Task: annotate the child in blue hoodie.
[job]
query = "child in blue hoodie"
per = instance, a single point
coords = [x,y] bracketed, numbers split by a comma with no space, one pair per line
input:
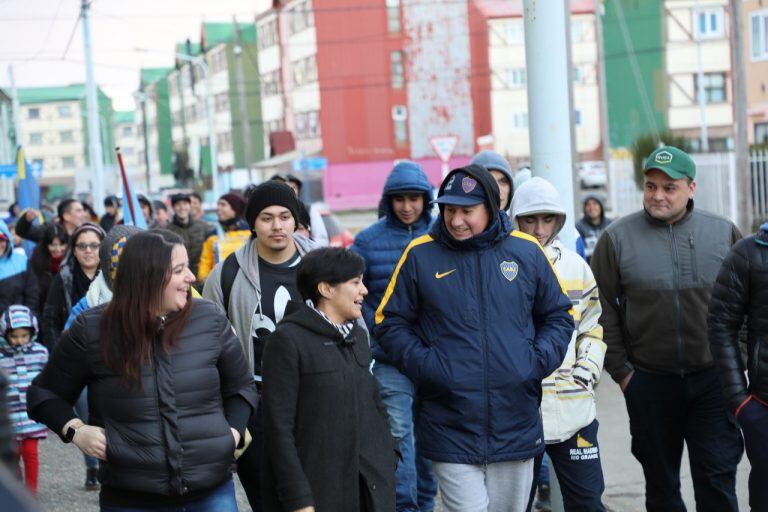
[22,358]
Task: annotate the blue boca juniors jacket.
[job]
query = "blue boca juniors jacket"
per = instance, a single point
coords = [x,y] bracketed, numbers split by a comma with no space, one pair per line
[477,325]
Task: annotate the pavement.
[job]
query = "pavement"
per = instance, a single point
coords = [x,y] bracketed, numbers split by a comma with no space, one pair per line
[62,471]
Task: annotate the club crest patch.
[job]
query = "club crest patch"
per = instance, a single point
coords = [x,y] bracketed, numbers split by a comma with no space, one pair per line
[663,157]
[468,184]
[509,270]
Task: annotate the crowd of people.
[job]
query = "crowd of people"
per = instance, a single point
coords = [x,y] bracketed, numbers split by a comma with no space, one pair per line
[455,347]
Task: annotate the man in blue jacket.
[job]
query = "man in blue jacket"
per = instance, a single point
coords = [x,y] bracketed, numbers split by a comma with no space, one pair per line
[474,315]
[405,215]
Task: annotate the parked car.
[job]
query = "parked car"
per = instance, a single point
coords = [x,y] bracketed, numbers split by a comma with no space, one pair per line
[338,235]
[592,174]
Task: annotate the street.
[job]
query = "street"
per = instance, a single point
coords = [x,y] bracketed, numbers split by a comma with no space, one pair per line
[62,471]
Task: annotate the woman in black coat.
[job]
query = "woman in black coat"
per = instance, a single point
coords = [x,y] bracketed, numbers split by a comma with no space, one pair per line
[169,388]
[46,260]
[328,446]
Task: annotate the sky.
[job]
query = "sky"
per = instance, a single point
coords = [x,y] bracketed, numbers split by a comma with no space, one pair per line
[43,39]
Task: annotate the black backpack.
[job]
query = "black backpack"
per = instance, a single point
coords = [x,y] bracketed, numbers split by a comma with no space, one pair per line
[228,273]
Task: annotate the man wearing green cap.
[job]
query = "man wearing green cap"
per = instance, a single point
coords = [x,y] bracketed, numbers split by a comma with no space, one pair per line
[655,270]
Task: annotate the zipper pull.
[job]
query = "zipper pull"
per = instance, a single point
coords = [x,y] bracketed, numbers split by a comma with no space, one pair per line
[690,241]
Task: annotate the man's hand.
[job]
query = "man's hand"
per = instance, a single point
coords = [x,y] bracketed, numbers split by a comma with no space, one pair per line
[625,381]
[91,441]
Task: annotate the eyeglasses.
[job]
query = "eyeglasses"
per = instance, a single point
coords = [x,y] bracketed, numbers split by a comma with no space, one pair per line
[87,247]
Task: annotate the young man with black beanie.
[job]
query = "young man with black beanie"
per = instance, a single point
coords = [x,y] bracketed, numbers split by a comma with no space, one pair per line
[254,285]
[475,316]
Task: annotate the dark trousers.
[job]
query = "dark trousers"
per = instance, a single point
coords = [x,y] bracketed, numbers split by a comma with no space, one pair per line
[666,411]
[578,469]
[249,463]
[753,418]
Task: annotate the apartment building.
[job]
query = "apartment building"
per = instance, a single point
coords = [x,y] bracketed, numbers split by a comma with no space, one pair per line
[55,130]
[154,147]
[756,61]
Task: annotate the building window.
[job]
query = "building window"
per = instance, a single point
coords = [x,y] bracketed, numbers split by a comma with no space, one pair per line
[516,78]
[576,34]
[759,35]
[399,122]
[276,125]
[221,102]
[714,87]
[267,34]
[68,162]
[127,131]
[708,23]
[66,136]
[393,16]
[577,117]
[307,125]
[33,113]
[35,138]
[65,111]
[396,67]
[217,61]
[761,133]
[302,17]
[520,120]
[38,162]
[514,33]
[577,76]
[304,71]
[128,151]
[224,141]
[270,83]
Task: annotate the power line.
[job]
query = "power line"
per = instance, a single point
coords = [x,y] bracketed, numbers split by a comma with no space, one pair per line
[71,37]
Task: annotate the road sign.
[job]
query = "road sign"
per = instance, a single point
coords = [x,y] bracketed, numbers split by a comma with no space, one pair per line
[314,163]
[444,146]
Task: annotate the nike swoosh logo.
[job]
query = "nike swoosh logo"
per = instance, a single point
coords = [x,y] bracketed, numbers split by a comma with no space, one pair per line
[440,276]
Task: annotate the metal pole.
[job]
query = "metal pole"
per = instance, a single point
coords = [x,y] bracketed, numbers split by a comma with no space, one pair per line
[19,140]
[547,39]
[94,133]
[603,91]
[244,119]
[143,99]
[741,138]
[211,132]
[700,81]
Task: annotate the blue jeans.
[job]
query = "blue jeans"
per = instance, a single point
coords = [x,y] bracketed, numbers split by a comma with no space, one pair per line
[416,483]
[221,499]
[81,408]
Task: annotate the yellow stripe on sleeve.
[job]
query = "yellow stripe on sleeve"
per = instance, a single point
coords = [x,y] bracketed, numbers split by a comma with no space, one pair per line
[391,286]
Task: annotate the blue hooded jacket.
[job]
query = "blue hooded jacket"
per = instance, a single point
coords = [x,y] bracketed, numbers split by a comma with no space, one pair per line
[382,243]
[476,324]
[17,286]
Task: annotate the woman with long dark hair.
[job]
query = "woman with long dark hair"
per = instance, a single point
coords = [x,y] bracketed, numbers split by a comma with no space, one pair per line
[72,281]
[328,446]
[170,391]
[46,260]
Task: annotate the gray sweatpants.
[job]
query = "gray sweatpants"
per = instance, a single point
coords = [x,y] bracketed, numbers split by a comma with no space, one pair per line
[497,487]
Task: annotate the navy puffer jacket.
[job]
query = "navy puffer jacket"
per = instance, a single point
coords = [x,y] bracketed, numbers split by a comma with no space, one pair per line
[382,243]
[476,325]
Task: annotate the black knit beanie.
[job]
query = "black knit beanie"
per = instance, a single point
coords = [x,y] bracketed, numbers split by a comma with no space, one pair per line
[271,193]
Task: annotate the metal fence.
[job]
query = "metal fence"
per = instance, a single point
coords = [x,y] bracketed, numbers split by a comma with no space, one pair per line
[716,185]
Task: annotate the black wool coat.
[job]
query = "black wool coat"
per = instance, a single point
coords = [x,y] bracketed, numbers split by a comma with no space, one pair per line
[326,429]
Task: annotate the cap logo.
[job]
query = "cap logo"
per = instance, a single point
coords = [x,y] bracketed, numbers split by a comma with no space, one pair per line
[450,182]
[509,270]
[468,184]
[663,157]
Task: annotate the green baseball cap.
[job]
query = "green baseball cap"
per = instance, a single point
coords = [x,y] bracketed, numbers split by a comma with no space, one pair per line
[673,162]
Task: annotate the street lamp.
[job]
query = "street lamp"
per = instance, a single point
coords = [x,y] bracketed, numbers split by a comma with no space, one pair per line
[200,61]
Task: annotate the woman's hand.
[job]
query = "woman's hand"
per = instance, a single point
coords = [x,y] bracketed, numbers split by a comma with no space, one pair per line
[91,441]
[236,435]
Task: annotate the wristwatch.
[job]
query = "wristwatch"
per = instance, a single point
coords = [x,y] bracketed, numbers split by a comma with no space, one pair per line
[69,435]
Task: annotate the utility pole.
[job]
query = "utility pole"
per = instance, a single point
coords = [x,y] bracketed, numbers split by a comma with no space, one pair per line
[94,133]
[605,132]
[741,137]
[547,41]
[18,139]
[244,119]
[700,80]
[142,97]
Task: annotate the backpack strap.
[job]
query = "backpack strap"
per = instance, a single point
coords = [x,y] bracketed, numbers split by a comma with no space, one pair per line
[228,273]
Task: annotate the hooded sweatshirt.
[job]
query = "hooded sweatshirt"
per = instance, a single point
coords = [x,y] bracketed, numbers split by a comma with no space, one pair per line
[17,285]
[590,233]
[476,324]
[21,363]
[245,295]
[568,402]
[495,162]
[382,243]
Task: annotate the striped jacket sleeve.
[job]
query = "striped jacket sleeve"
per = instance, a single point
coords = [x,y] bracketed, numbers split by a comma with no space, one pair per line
[590,348]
